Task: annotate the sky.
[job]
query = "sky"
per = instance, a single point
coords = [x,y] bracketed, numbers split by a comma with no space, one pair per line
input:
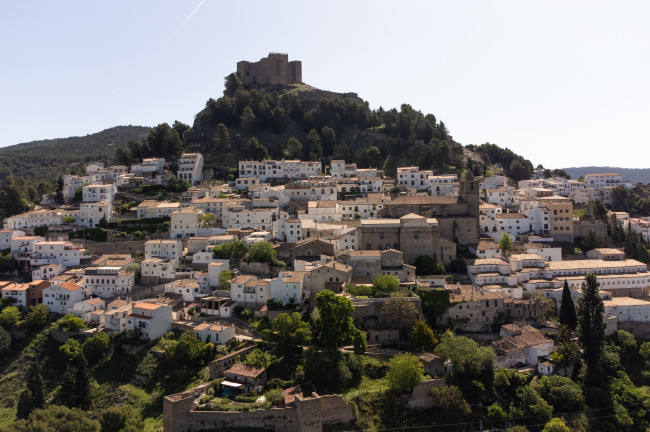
[562,83]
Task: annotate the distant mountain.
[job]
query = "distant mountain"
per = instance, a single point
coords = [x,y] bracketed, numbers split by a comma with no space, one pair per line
[634,175]
[46,160]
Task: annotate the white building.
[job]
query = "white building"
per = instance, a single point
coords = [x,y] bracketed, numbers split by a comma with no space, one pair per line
[323,211]
[598,181]
[214,333]
[185,222]
[99,192]
[164,248]
[33,219]
[22,247]
[157,270]
[284,169]
[287,287]
[441,185]
[190,167]
[412,177]
[107,282]
[85,308]
[250,291]
[52,252]
[91,213]
[6,235]
[156,209]
[236,216]
[47,272]
[152,320]
[149,167]
[59,298]
[627,309]
[188,288]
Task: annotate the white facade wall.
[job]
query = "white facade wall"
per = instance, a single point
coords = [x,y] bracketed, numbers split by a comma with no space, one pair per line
[172,248]
[98,192]
[153,320]
[59,298]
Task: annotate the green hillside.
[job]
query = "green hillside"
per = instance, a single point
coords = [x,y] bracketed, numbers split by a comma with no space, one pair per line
[46,160]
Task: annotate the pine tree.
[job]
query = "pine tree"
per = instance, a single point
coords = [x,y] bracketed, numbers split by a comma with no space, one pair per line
[567,310]
[82,383]
[35,385]
[591,327]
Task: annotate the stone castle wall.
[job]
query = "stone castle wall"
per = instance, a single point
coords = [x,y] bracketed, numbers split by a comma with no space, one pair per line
[272,70]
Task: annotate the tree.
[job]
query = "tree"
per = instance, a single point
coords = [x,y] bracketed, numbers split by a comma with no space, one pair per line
[82,383]
[399,313]
[70,350]
[567,309]
[224,279]
[5,340]
[103,222]
[591,327]
[95,346]
[249,120]
[256,151]
[67,390]
[263,252]
[506,384]
[174,184]
[279,120]
[473,371]
[222,139]
[334,325]
[422,336]
[70,323]
[383,285]
[505,244]
[57,418]
[561,393]
[293,150]
[450,402]
[257,357]
[163,141]
[33,397]
[315,146]
[180,129]
[9,316]
[37,317]
[426,265]
[530,405]
[288,332]
[208,219]
[405,371]
[189,351]
[120,419]
[555,425]
[328,138]
[233,250]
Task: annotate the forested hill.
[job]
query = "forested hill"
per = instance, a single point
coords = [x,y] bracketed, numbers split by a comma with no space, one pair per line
[301,122]
[46,160]
[634,175]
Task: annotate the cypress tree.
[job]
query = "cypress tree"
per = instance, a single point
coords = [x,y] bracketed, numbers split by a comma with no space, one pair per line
[25,405]
[82,383]
[567,310]
[591,328]
[35,385]
[67,391]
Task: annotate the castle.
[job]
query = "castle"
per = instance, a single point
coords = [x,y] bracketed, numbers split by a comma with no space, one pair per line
[274,69]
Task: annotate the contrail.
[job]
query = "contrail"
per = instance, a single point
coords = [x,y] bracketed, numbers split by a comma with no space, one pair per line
[186,20]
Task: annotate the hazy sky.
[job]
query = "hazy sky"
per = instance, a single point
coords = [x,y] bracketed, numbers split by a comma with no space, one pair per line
[561,83]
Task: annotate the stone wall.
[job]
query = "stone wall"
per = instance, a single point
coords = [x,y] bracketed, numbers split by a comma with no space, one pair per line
[308,415]
[274,69]
[638,329]
[130,247]
[581,229]
[255,268]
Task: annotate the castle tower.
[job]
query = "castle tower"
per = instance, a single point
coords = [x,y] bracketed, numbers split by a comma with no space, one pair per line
[469,191]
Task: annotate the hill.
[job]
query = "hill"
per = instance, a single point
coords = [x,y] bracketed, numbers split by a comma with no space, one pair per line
[634,175]
[46,160]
